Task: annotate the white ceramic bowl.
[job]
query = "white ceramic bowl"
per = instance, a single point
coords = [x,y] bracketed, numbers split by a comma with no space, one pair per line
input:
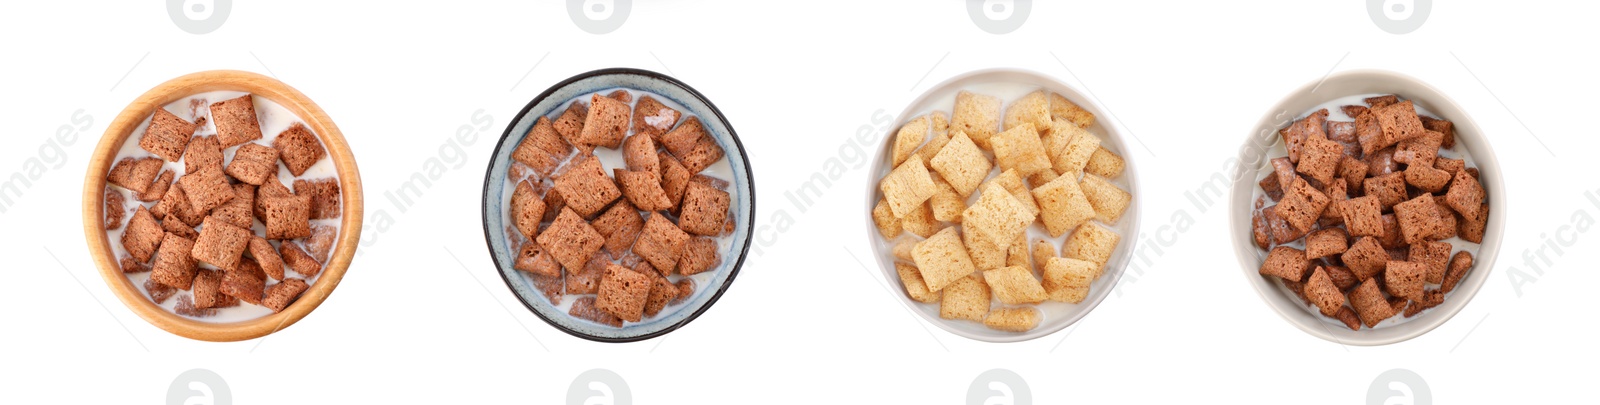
[1264,139]
[1056,315]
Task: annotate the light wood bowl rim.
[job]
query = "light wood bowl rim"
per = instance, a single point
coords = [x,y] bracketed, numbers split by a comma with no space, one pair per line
[260,86]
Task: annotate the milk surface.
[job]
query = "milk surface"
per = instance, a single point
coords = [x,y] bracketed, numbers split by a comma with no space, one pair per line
[1335,114]
[612,159]
[273,119]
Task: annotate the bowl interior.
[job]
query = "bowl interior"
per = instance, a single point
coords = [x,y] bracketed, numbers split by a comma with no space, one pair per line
[138,112]
[1008,85]
[707,289]
[1257,151]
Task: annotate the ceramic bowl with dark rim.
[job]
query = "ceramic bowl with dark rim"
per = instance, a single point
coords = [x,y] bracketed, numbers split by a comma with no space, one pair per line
[735,169]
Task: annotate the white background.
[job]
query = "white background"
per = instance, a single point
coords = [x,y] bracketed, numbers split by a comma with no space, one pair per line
[804,322]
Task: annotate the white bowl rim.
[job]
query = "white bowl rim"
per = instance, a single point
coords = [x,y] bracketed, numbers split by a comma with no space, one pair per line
[1468,133]
[1132,215]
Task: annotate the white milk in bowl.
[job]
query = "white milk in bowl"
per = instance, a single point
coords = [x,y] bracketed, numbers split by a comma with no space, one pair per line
[273,119]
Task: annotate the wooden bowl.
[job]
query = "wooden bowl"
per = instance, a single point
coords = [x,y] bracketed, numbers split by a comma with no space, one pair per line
[105,153]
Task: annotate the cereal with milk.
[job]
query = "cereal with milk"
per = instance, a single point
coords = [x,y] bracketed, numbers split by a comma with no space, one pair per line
[618,206]
[1374,214]
[214,232]
[968,187]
